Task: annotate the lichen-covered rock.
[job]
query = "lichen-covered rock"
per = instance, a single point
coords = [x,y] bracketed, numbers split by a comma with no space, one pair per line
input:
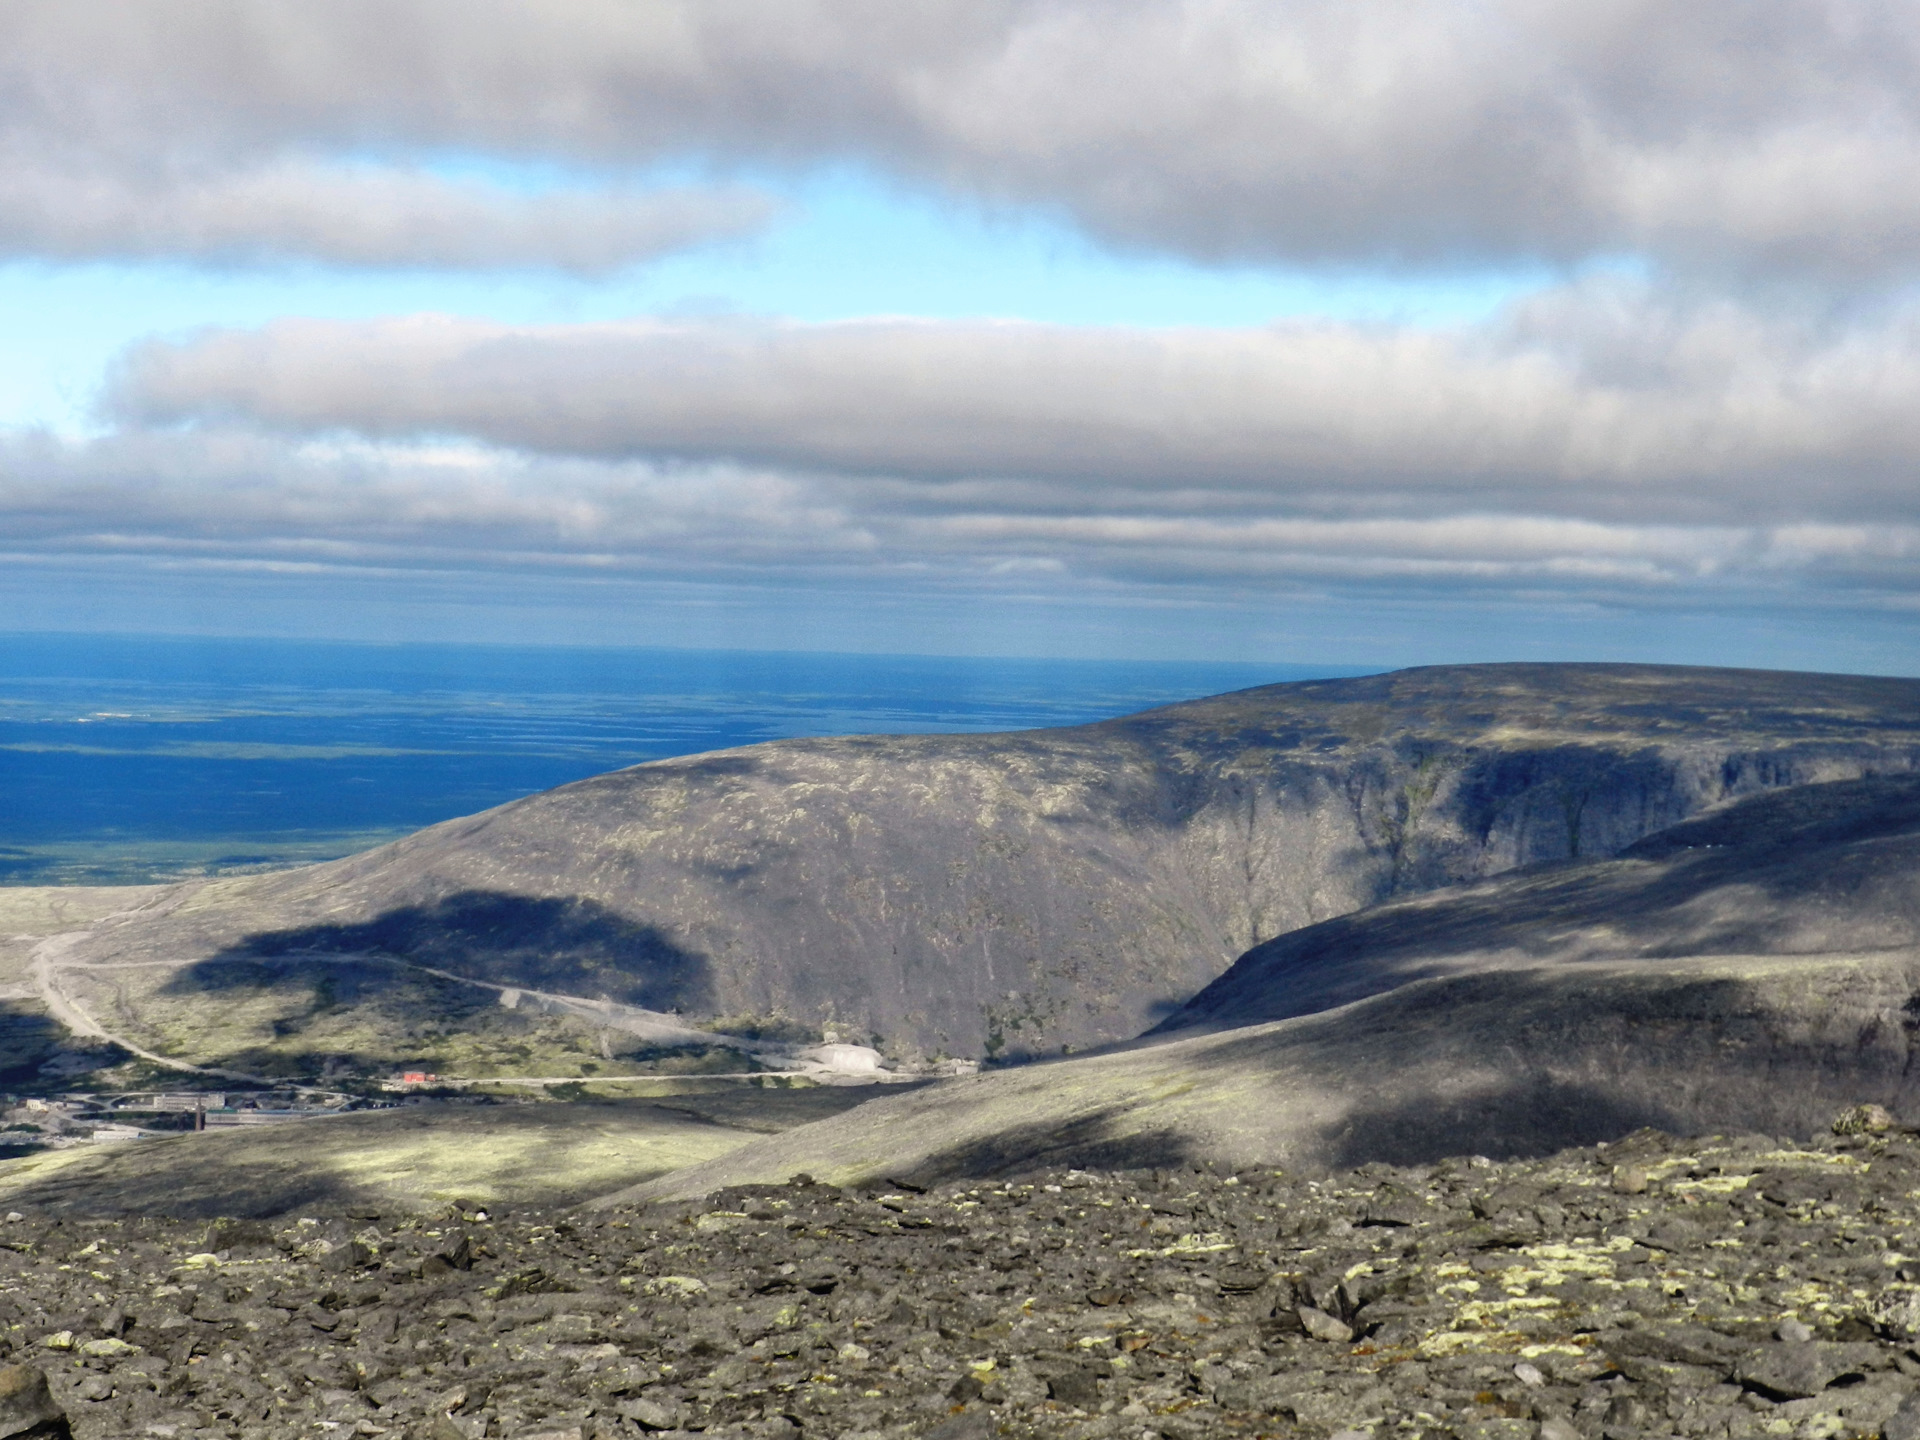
[1864,1120]
[1500,1298]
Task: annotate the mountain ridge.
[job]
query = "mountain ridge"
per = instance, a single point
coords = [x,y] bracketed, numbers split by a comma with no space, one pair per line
[1027,894]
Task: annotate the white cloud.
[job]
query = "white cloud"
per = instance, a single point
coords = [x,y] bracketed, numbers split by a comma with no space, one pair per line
[238,500]
[1743,420]
[239,496]
[1596,441]
[1596,402]
[1781,138]
[361,215]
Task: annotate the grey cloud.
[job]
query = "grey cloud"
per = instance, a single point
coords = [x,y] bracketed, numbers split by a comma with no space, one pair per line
[1780,138]
[229,499]
[236,496]
[293,210]
[1602,402]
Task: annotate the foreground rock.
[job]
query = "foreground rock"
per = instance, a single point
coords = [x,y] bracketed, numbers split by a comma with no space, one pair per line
[27,1407]
[972,895]
[1719,1287]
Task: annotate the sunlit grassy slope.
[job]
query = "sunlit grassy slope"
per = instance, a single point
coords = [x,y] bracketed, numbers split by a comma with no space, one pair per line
[409,1159]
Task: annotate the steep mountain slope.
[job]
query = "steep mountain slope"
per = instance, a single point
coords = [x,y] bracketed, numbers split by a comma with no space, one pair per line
[1503,1063]
[1823,869]
[1755,970]
[1025,893]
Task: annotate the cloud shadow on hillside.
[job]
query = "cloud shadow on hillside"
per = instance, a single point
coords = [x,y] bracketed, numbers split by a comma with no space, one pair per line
[1094,1141]
[1566,1060]
[567,945]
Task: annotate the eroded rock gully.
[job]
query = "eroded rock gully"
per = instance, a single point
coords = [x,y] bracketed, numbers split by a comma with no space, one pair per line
[1657,1286]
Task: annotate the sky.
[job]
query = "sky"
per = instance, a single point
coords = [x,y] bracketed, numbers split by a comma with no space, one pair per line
[1201,329]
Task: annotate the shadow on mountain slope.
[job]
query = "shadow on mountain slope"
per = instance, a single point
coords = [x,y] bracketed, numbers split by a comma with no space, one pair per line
[1101,1140]
[38,1053]
[568,945]
[1513,1118]
[29,1037]
[414,988]
[1520,1063]
[1504,1063]
[1818,869]
[1839,812]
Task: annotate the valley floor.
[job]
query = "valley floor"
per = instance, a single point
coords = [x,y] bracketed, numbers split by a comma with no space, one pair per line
[411,1159]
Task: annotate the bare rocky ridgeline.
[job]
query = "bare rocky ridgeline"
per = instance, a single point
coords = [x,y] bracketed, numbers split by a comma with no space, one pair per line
[1657,1286]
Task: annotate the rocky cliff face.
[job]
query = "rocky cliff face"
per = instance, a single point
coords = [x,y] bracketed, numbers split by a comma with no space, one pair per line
[1817,870]
[1756,968]
[1026,893]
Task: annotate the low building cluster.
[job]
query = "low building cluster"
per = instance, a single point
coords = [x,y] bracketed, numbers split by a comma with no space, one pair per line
[86,1118]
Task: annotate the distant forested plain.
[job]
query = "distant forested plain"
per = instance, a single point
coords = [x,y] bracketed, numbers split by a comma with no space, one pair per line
[127,760]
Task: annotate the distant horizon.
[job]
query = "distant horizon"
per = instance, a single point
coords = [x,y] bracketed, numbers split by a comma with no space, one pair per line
[127,759]
[133,641]
[374,643]
[1321,668]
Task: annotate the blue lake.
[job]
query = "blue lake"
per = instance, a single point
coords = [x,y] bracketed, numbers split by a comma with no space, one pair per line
[126,759]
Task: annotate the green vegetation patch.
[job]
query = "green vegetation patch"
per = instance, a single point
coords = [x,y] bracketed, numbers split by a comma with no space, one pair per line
[413,1158]
[49,909]
[774,1028]
[322,1016]
[110,862]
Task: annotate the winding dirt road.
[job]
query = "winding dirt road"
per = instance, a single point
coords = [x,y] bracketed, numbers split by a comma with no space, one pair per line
[48,960]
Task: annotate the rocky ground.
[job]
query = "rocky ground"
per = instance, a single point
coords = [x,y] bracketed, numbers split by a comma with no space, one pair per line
[1657,1286]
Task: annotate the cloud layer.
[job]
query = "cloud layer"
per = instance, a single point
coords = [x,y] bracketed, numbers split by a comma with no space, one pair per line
[1738,421]
[222,499]
[356,216]
[1781,139]
[1601,402]
[1595,442]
